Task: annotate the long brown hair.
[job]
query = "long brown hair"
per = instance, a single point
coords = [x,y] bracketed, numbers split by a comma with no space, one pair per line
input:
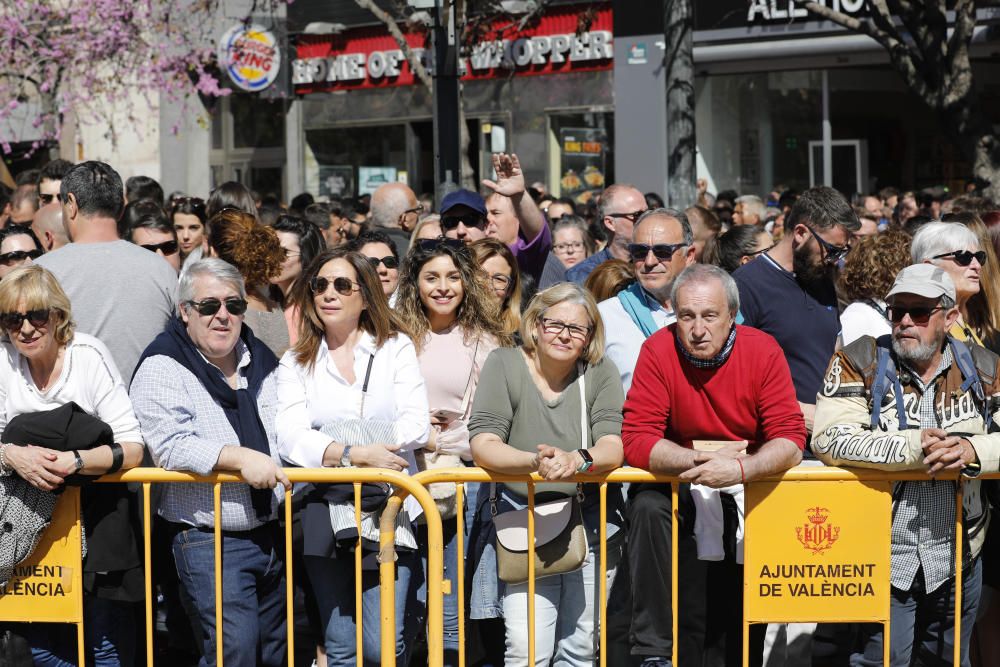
[510,309]
[377,319]
[478,313]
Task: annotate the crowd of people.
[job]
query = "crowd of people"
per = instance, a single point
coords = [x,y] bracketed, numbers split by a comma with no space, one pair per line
[518,332]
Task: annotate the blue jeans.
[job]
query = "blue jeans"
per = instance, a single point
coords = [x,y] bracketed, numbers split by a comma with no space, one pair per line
[109,632]
[923,624]
[253,594]
[332,580]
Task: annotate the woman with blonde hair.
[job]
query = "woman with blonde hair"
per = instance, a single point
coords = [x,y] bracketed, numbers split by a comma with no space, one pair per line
[553,406]
[236,237]
[984,307]
[499,272]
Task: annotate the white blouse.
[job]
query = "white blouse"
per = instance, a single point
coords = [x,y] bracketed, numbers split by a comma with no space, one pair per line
[88,377]
[308,400]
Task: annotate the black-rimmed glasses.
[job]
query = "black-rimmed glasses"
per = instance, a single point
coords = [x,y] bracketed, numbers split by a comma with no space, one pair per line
[662,251]
[210,306]
[834,253]
[167,247]
[964,257]
[38,318]
[556,327]
[13,256]
[919,314]
[450,222]
[631,217]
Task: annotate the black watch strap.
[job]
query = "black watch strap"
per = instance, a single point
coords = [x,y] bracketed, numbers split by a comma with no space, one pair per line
[117,457]
[79,460]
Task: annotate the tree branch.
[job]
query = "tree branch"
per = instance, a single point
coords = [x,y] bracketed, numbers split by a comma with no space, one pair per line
[390,23]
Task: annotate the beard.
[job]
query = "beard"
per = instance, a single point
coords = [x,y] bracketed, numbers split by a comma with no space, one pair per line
[811,275]
[920,353]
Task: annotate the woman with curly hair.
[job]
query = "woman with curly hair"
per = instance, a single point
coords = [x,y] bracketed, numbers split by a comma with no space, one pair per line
[454,321]
[499,273]
[236,237]
[866,278]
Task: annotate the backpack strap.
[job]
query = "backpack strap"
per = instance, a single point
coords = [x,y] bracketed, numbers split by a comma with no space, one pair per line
[970,377]
[885,373]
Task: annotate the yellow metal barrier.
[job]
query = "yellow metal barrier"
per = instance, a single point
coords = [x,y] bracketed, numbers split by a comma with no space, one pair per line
[459,476]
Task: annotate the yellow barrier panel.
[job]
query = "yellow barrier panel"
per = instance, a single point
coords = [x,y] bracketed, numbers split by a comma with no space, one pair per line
[48,585]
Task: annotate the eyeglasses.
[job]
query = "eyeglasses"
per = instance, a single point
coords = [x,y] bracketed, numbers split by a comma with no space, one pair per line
[450,222]
[234,305]
[38,318]
[388,261]
[167,247]
[500,281]
[343,286]
[16,256]
[964,257]
[631,217]
[919,314]
[45,200]
[566,247]
[556,327]
[419,208]
[760,252]
[834,253]
[662,251]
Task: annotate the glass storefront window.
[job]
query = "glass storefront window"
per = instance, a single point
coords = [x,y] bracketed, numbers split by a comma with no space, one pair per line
[354,161]
[581,156]
[257,123]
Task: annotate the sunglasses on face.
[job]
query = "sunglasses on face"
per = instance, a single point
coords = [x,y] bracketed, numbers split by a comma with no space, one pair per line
[662,251]
[919,314]
[388,261]
[15,256]
[964,257]
[167,247]
[13,321]
[45,200]
[343,286]
[834,253]
[450,222]
[234,305]
[631,217]
[556,327]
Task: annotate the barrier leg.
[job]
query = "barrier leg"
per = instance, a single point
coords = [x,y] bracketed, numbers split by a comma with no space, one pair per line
[217,493]
[674,519]
[387,579]
[289,584]
[959,533]
[531,573]
[147,549]
[359,637]
[460,569]
[602,588]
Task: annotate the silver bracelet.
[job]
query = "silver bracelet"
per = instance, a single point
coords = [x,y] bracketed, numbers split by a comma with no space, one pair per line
[4,468]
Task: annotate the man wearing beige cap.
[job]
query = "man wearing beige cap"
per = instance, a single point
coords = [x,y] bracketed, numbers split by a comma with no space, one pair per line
[918,399]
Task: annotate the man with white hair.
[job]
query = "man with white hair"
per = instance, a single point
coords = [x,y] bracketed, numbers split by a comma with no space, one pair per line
[749,210]
[919,399]
[395,209]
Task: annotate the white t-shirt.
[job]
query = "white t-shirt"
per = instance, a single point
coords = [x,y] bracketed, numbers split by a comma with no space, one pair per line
[88,377]
[860,319]
[622,337]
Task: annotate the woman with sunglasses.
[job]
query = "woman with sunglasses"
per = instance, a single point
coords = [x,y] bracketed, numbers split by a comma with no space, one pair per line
[189,219]
[145,224]
[381,251]
[301,242]
[45,364]
[955,248]
[984,307]
[454,322]
[499,273]
[352,363]
[18,246]
[553,406]
[238,239]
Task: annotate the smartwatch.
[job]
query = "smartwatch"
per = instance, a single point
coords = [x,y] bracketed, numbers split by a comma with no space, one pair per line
[345,457]
[588,460]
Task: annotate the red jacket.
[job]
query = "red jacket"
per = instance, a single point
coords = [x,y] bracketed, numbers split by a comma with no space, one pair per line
[750,397]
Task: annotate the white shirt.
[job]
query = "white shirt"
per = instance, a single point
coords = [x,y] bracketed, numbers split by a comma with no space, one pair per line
[860,319]
[308,400]
[88,377]
[622,337]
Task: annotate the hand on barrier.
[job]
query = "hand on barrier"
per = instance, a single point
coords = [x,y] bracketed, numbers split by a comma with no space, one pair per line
[378,456]
[555,463]
[719,472]
[39,466]
[732,450]
[261,472]
[946,453]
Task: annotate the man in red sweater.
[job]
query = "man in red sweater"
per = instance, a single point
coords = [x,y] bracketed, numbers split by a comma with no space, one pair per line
[702,379]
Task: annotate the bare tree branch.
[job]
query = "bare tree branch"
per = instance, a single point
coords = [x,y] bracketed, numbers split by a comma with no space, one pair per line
[390,23]
[959,66]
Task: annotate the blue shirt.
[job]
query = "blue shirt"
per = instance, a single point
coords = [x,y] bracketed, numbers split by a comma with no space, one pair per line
[579,273]
[805,325]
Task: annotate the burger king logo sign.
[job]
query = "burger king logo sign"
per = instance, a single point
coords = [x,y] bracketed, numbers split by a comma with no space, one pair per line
[251,56]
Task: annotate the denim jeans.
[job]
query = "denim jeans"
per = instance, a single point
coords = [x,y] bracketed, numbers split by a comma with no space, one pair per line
[333,584]
[109,632]
[923,624]
[567,616]
[253,594]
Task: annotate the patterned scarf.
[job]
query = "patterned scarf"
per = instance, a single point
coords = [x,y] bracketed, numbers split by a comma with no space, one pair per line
[715,361]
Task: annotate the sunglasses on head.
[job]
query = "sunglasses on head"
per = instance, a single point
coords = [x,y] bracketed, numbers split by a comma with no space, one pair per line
[9,258]
[167,247]
[919,314]
[388,261]
[434,244]
[38,318]
[450,222]
[662,251]
[234,305]
[964,257]
[343,286]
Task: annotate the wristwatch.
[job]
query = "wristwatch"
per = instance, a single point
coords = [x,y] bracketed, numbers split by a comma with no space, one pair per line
[345,457]
[79,461]
[588,460]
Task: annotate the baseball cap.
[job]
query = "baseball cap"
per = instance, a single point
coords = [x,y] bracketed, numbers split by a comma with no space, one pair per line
[463,198]
[924,280]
